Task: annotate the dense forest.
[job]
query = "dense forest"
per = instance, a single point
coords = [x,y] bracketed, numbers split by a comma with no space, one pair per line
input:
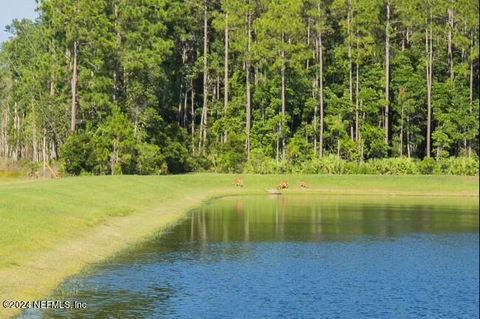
[170,86]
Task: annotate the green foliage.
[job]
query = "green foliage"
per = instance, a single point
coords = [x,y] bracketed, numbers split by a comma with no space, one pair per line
[428,166]
[298,149]
[114,145]
[450,166]
[389,166]
[325,165]
[332,165]
[137,74]
[231,155]
[112,149]
[150,160]
[77,154]
[459,166]
[260,163]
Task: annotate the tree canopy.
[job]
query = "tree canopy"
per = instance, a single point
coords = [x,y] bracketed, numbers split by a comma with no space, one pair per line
[170,86]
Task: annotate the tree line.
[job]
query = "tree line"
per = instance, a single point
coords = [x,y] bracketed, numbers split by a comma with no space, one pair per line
[168,86]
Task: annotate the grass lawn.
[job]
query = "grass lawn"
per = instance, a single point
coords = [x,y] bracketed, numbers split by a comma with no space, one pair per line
[50,229]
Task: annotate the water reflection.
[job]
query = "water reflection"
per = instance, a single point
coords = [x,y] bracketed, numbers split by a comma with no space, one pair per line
[295,256]
[296,218]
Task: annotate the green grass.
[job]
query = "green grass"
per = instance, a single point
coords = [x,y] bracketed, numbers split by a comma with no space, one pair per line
[36,215]
[37,218]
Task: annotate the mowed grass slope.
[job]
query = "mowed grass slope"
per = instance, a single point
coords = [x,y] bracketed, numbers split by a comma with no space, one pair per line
[39,214]
[36,215]
[51,229]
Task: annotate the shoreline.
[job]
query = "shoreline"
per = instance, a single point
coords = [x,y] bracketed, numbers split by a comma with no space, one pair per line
[99,243]
[47,269]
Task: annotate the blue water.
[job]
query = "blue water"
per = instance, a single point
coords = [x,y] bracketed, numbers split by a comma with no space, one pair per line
[211,266]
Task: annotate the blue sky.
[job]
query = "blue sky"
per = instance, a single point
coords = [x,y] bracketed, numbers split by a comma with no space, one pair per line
[15,9]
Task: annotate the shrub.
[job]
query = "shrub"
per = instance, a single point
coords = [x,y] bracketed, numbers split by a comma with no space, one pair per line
[115,145]
[76,153]
[198,163]
[176,157]
[150,160]
[401,166]
[261,164]
[351,168]
[386,166]
[459,166]
[329,164]
[230,156]
[427,166]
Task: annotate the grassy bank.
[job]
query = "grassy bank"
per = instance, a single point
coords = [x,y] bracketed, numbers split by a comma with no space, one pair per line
[53,228]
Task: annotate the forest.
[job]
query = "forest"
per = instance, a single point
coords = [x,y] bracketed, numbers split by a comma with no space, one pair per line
[259,86]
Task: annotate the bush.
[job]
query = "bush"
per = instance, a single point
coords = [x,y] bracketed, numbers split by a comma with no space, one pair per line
[399,166]
[331,164]
[76,153]
[459,166]
[198,163]
[230,156]
[113,148]
[150,160]
[175,156]
[386,166]
[427,166]
[261,164]
[326,165]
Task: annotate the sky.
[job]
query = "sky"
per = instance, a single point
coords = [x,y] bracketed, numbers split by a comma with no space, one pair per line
[15,9]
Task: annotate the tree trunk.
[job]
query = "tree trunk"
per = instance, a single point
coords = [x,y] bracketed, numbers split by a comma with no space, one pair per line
[409,150]
[401,130]
[200,131]
[192,111]
[282,71]
[185,102]
[44,153]
[225,81]
[52,103]
[428,46]
[387,73]
[314,95]
[16,128]
[180,105]
[350,78]
[74,89]
[217,98]
[449,42]
[34,134]
[277,145]
[357,119]
[204,119]
[135,121]
[320,85]
[116,70]
[471,68]
[308,42]
[4,132]
[471,86]
[247,85]
[114,157]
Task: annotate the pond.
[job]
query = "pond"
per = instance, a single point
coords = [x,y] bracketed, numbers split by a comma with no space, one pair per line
[294,256]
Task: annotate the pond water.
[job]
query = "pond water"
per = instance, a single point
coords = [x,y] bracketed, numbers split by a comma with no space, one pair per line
[295,256]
